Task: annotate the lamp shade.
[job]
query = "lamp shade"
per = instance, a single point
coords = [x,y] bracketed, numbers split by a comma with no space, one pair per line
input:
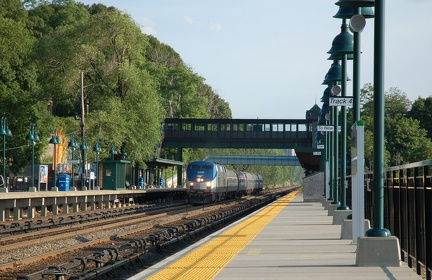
[343,43]
[97,148]
[326,94]
[54,140]
[355,3]
[113,150]
[334,75]
[338,56]
[84,146]
[36,137]
[348,12]
[30,136]
[73,143]
[123,151]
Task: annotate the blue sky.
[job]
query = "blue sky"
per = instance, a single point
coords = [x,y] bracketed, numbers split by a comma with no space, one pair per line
[267,59]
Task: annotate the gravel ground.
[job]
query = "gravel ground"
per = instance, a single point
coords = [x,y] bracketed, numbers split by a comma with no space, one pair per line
[31,251]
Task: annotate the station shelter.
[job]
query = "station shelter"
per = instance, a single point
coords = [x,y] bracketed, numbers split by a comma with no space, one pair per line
[114,174]
[158,170]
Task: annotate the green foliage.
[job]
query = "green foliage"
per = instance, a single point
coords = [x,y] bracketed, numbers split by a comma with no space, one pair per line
[421,110]
[131,81]
[405,140]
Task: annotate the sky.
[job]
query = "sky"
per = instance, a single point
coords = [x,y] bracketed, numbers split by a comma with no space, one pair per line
[268,59]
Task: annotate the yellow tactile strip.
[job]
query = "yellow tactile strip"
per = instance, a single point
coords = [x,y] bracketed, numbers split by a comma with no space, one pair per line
[206,261]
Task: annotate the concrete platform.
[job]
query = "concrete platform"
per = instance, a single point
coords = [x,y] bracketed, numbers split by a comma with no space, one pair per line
[300,242]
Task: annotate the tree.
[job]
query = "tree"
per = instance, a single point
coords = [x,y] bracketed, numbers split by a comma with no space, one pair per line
[18,86]
[122,104]
[403,135]
[421,110]
[405,141]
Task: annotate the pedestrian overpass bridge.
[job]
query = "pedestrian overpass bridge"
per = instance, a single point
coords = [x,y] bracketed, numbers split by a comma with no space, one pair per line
[297,134]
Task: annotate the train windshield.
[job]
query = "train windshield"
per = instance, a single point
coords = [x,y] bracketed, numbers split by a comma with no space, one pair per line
[201,167]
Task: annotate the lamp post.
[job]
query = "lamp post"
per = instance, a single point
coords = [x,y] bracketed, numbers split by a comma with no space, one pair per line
[84,147]
[97,149]
[123,152]
[355,12]
[5,131]
[113,151]
[323,120]
[33,137]
[333,77]
[73,145]
[343,45]
[55,141]
[378,229]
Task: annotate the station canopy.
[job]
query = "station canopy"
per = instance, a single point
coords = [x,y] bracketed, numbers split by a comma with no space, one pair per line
[163,163]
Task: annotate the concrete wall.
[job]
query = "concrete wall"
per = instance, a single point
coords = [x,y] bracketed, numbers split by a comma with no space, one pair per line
[313,187]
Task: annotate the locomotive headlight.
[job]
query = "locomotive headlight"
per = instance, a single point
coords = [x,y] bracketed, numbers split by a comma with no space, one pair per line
[208,185]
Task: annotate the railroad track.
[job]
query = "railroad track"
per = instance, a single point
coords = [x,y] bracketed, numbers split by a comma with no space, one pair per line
[124,241]
[37,252]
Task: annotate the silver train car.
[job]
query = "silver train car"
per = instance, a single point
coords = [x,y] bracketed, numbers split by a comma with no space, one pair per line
[208,182]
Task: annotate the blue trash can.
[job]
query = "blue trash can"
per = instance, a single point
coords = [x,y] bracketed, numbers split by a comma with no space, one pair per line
[141,182]
[63,182]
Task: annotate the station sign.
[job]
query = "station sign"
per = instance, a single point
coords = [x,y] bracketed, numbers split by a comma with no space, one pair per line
[328,128]
[321,147]
[325,128]
[73,161]
[341,101]
[316,153]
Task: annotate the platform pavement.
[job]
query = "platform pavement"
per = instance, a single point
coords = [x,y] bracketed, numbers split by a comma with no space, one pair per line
[301,242]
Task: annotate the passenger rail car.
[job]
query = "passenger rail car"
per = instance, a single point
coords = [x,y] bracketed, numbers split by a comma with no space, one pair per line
[208,182]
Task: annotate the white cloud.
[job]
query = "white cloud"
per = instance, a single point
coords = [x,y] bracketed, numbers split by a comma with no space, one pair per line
[188,19]
[215,26]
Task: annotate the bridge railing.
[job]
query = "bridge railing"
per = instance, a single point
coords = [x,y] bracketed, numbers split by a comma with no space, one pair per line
[407,211]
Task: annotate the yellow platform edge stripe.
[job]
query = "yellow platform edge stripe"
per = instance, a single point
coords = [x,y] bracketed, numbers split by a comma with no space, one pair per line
[209,259]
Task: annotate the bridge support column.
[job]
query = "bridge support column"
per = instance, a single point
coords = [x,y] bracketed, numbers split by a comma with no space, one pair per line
[44,210]
[180,182]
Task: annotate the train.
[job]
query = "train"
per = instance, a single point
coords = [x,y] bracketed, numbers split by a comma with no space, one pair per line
[209,182]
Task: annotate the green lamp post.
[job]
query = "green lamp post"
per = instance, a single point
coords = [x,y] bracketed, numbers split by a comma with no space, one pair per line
[73,145]
[333,77]
[55,141]
[32,137]
[323,120]
[378,229]
[113,151]
[83,147]
[6,132]
[355,13]
[343,45]
[97,149]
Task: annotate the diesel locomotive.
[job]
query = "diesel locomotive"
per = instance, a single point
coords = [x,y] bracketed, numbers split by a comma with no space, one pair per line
[208,182]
